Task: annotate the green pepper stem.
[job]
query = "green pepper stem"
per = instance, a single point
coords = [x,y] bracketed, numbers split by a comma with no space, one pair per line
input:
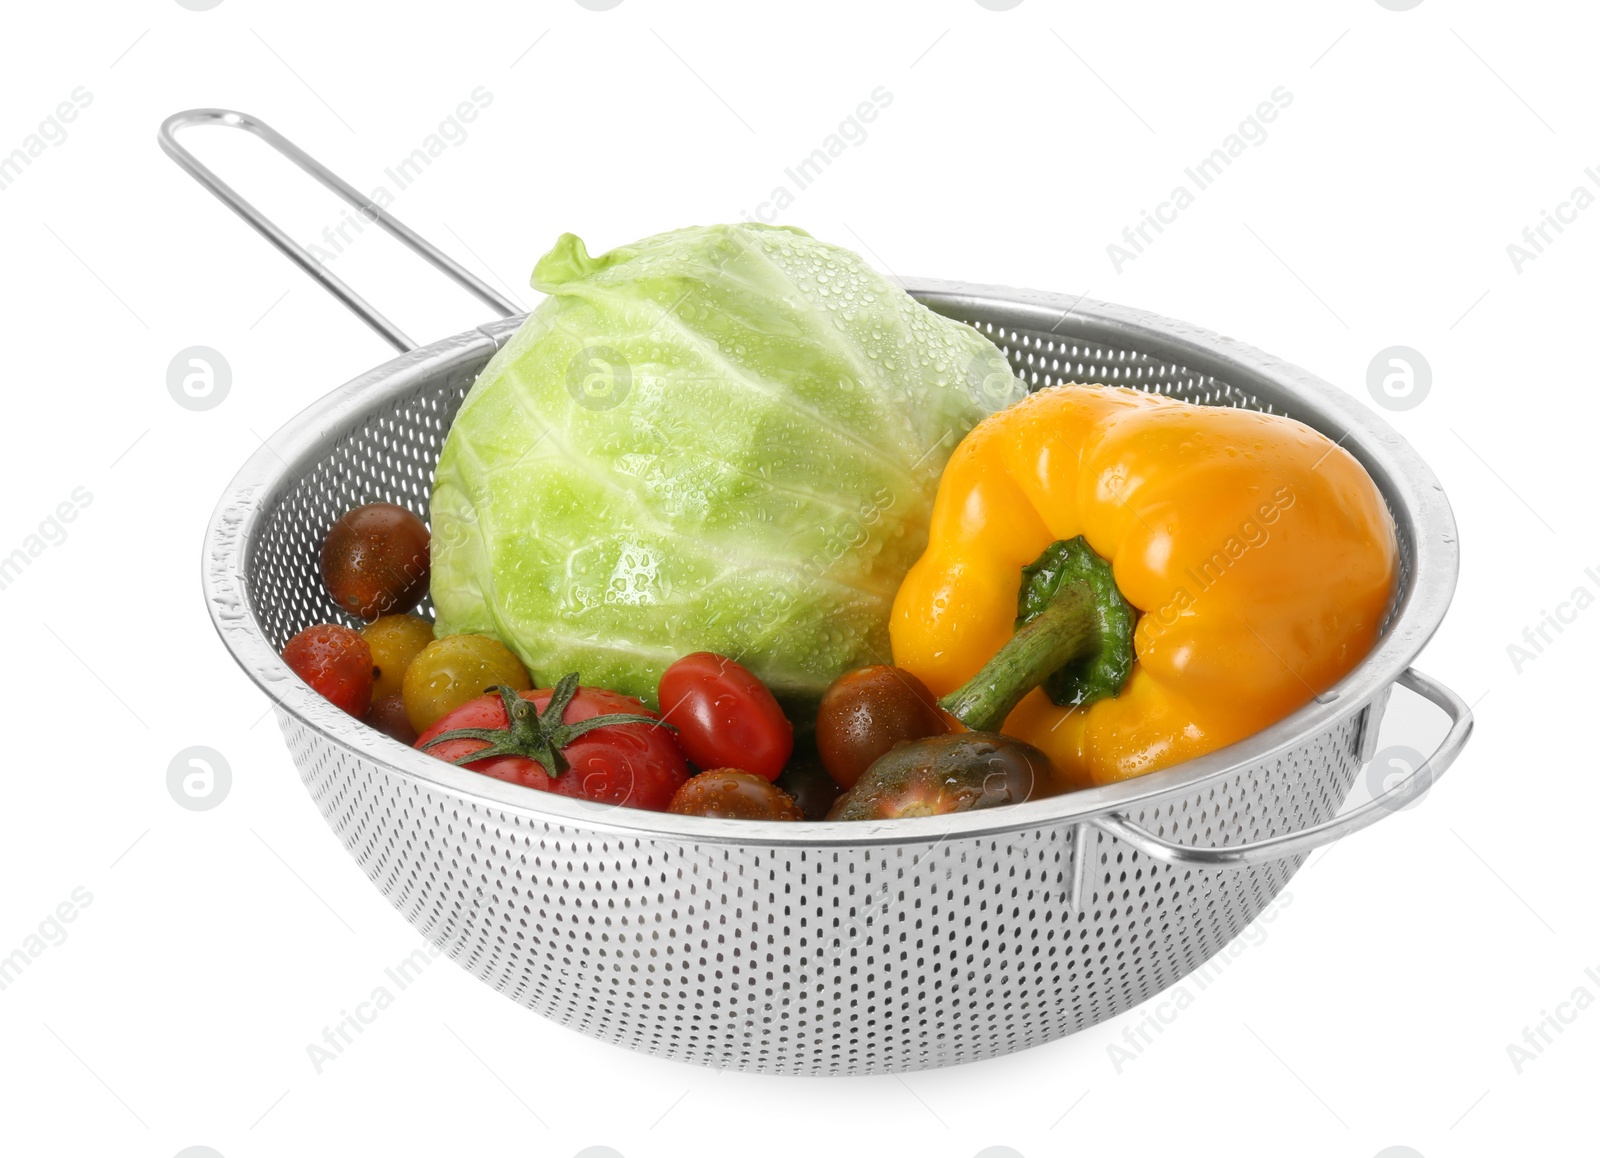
[1066,630]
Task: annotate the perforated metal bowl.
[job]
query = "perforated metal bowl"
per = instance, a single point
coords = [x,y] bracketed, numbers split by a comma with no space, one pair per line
[814,948]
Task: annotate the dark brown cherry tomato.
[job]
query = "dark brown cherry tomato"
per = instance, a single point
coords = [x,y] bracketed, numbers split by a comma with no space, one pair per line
[375,560]
[729,794]
[957,772]
[388,715]
[725,716]
[866,712]
[336,662]
[809,783]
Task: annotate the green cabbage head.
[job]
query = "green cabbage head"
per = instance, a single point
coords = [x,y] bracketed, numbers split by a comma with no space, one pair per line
[717,439]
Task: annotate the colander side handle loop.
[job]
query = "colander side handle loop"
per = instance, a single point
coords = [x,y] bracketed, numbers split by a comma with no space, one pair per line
[465,278]
[1298,843]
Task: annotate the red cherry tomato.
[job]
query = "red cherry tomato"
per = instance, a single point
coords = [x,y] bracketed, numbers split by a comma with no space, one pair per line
[636,764]
[725,716]
[336,662]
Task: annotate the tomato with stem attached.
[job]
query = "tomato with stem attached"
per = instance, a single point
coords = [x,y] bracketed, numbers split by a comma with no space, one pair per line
[588,743]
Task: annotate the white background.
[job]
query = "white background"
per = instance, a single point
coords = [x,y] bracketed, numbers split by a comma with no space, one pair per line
[1374,1011]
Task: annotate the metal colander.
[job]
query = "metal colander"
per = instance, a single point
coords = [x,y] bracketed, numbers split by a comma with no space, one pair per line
[867,947]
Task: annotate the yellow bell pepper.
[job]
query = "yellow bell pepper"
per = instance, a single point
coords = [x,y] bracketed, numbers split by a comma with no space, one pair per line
[1259,556]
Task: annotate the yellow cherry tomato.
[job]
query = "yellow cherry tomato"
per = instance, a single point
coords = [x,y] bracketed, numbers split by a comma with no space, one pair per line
[395,641]
[451,671]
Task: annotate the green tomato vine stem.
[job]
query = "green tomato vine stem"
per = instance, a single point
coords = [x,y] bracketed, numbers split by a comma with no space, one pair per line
[540,737]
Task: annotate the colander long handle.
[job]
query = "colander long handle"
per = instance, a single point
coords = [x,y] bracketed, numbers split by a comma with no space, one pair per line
[1297,843]
[168,137]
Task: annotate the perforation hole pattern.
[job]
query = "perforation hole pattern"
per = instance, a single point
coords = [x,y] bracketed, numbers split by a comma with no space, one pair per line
[837,960]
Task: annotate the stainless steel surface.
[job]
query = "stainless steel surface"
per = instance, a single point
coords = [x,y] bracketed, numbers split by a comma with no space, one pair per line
[1305,840]
[1371,728]
[816,948]
[168,138]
